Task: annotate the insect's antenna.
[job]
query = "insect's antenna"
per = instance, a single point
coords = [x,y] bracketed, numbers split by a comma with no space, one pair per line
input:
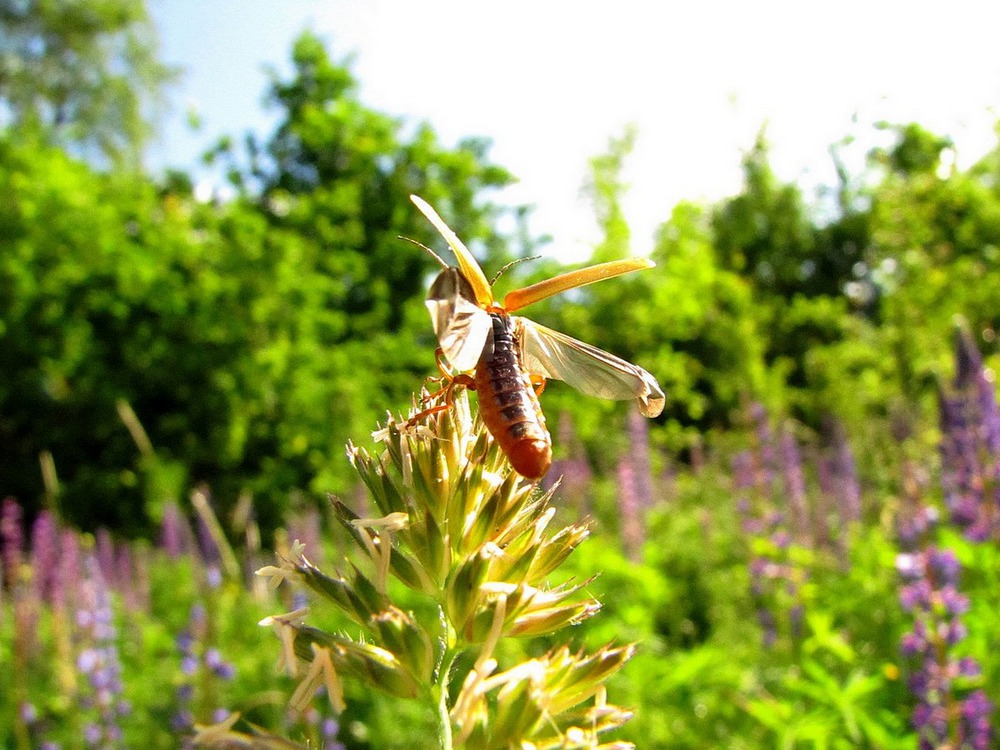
[421,244]
[512,263]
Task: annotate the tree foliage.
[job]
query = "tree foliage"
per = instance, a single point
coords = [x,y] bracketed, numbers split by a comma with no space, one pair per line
[82,73]
[250,339]
[870,295]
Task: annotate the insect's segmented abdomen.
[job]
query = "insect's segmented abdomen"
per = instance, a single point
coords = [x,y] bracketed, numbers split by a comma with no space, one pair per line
[508,404]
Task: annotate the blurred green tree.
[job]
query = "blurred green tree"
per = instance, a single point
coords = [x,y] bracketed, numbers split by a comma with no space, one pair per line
[82,73]
[342,331]
[689,321]
[934,253]
[250,338]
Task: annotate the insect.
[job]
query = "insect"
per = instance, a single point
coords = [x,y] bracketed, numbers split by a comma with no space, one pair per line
[510,356]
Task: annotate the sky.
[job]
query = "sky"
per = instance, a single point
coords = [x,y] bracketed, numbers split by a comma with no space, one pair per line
[550,82]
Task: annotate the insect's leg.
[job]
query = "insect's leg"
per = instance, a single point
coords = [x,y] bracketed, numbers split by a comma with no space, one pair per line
[436,394]
[445,393]
[446,378]
[460,378]
[538,383]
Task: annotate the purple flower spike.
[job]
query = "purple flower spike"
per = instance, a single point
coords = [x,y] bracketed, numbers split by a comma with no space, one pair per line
[970,469]
[629,510]
[909,566]
[795,483]
[45,556]
[11,540]
[970,445]
[945,565]
[770,496]
[930,593]
[98,661]
[197,660]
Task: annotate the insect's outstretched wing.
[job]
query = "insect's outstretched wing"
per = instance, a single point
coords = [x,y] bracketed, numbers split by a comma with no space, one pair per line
[519,298]
[461,326]
[588,369]
[467,263]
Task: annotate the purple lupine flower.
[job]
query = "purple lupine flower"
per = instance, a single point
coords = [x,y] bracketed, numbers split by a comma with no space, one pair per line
[183,719]
[131,576]
[218,666]
[45,556]
[629,511]
[970,445]
[197,659]
[211,555]
[30,719]
[325,728]
[65,589]
[976,710]
[97,659]
[842,472]
[914,524]
[329,730]
[170,533]
[795,483]
[11,541]
[765,617]
[826,529]
[743,472]
[176,536]
[970,478]
[969,367]
[767,457]
[945,565]
[124,580]
[930,592]
[638,438]
[105,551]
[768,479]
[961,473]
[207,546]
[12,552]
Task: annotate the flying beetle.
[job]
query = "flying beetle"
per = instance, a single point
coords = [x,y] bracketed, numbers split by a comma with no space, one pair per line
[509,356]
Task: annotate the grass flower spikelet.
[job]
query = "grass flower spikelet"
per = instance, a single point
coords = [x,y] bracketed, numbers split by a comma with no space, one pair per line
[456,558]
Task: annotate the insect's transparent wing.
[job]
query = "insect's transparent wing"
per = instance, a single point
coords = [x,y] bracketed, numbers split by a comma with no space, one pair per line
[461,326]
[588,369]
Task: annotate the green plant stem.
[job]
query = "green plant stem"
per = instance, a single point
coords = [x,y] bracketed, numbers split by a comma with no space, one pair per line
[444,715]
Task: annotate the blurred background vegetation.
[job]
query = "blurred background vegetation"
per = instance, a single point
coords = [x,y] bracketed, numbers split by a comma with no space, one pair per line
[250,338]
[152,341]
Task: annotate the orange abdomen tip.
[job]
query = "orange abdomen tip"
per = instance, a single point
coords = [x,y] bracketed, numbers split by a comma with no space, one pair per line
[530,458]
